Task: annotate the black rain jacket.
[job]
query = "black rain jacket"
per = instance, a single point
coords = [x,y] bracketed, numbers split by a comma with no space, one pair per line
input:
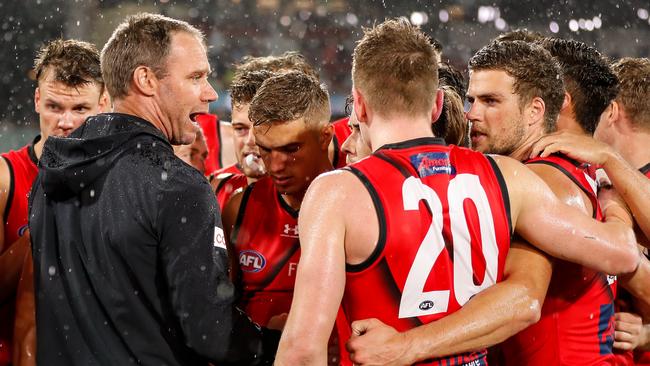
[129,262]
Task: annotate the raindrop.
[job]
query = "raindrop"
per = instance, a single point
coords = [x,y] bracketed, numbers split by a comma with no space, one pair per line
[183,220]
[163,175]
[51,270]
[92,193]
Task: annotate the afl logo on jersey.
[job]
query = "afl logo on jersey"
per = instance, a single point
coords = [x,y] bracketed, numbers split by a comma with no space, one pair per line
[22,229]
[426,305]
[251,261]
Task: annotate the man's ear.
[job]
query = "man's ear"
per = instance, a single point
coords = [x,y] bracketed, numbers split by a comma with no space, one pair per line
[144,81]
[104,102]
[437,110]
[325,137]
[37,99]
[536,111]
[360,106]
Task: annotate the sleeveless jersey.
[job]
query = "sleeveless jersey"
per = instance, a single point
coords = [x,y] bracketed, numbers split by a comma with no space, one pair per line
[577,322]
[266,241]
[210,125]
[341,133]
[229,184]
[23,169]
[444,221]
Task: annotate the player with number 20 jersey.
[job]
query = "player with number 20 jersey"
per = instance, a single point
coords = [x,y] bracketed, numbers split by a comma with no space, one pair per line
[444,235]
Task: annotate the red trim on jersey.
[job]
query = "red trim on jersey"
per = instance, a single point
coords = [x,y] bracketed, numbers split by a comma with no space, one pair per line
[467,191]
[228,186]
[23,169]
[576,327]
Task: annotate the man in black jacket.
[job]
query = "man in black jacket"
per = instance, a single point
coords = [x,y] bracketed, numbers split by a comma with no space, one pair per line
[130,264]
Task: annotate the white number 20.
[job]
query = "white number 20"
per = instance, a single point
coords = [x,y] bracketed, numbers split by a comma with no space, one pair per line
[417,302]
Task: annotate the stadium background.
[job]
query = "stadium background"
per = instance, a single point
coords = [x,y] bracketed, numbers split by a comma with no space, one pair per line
[324,31]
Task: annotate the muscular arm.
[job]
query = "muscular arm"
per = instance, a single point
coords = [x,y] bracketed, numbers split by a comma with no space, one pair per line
[11,266]
[633,186]
[512,305]
[320,279]
[564,231]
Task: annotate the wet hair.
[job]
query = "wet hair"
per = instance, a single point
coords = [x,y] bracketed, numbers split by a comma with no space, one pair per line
[71,62]
[452,124]
[587,78]
[521,34]
[634,90]
[395,67]
[286,97]
[451,77]
[535,71]
[244,85]
[143,39]
[288,61]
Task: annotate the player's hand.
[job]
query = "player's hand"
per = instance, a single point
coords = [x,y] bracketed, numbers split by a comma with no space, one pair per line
[628,331]
[579,147]
[277,322]
[375,343]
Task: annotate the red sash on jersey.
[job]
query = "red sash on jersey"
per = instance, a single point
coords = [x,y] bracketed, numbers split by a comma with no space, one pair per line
[210,125]
[577,323]
[229,184]
[341,133]
[445,230]
[23,170]
[268,249]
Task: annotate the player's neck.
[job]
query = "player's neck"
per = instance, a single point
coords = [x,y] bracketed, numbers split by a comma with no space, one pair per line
[38,148]
[634,148]
[523,150]
[391,130]
[322,164]
[143,108]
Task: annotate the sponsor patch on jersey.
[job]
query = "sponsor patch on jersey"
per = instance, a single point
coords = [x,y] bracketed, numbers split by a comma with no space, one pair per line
[219,238]
[251,261]
[431,163]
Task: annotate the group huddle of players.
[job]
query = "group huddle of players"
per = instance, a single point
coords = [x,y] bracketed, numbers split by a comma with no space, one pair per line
[392,236]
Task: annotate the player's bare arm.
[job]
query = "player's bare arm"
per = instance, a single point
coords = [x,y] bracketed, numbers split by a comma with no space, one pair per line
[631,184]
[320,279]
[564,231]
[513,304]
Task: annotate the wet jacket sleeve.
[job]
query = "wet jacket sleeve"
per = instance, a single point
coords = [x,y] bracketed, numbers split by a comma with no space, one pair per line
[195,265]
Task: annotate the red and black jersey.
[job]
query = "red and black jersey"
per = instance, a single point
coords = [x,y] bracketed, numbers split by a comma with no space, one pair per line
[268,249]
[577,323]
[23,169]
[444,222]
[210,125]
[341,133]
[228,185]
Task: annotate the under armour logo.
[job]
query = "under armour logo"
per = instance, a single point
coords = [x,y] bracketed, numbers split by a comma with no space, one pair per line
[288,229]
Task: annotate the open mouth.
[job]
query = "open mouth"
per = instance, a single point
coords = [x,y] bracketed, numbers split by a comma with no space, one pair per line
[195,116]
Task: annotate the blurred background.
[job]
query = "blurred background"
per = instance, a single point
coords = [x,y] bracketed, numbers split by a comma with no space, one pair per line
[324,31]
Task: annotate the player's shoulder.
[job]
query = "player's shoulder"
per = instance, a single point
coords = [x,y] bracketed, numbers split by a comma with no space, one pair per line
[338,185]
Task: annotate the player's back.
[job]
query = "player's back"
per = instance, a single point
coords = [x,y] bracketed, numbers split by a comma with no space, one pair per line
[576,326]
[444,233]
